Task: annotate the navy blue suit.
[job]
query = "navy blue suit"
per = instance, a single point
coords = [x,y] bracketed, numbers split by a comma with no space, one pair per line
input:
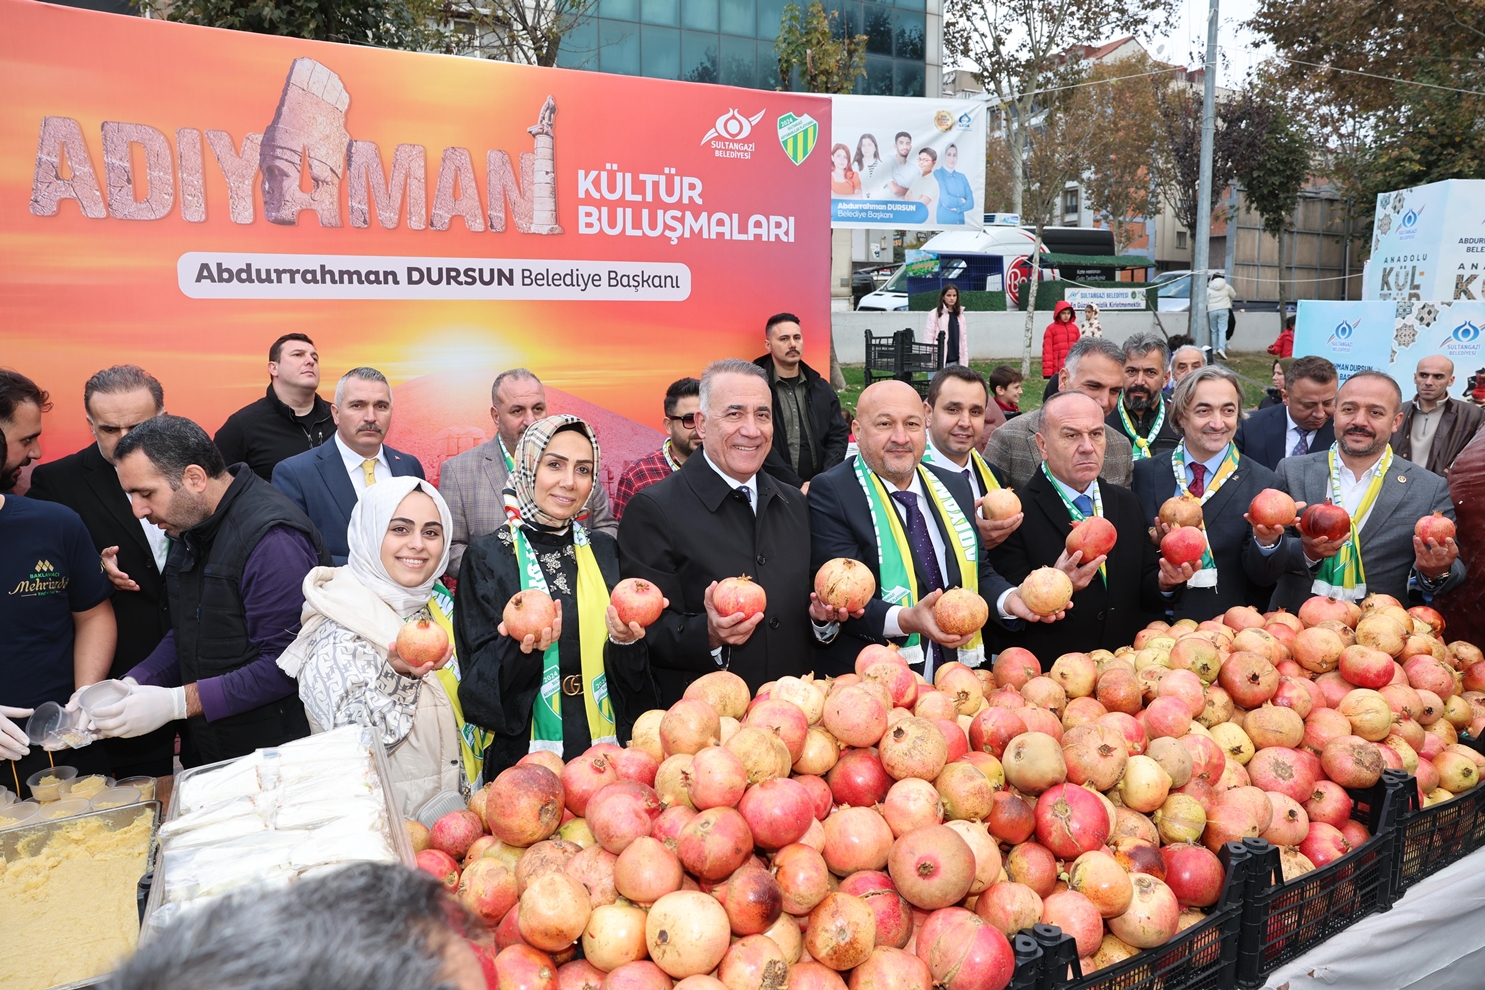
[841,526]
[318,483]
[1264,436]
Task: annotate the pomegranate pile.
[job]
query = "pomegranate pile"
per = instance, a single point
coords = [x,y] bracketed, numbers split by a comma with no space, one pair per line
[876,831]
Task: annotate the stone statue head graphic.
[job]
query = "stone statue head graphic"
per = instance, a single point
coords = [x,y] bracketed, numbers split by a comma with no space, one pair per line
[309,125]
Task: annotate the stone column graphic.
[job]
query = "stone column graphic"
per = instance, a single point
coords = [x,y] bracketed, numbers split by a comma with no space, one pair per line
[308,124]
[544,176]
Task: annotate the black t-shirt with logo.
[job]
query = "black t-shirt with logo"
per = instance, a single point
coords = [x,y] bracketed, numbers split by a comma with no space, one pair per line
[49,569]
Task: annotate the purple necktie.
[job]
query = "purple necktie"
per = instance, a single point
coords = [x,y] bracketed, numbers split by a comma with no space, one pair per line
[1302,445]
[930,577]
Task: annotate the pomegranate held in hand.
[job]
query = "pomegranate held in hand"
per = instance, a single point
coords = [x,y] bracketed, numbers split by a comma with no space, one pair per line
[845,583]
[528,613]
[1046,591]
[1437,527]
[999,504]
[1182,510]
[421,641]
[960,612]
[1324,521]
[1094,536]
[1272,507]
[1183,545]
[637,600]
[739,594]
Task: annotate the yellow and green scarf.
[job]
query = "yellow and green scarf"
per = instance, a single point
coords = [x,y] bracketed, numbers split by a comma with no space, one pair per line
[1206,574]
[1344,576]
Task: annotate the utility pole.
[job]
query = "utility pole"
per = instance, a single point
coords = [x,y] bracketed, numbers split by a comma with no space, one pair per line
[1201,236]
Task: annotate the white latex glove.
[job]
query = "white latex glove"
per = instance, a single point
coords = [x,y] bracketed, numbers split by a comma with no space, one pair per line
[13,741]
[144,709]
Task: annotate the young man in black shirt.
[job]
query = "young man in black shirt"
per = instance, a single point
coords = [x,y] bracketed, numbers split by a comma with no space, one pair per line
[290,419]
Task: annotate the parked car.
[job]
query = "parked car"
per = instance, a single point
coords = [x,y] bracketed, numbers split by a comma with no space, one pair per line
[1174,292]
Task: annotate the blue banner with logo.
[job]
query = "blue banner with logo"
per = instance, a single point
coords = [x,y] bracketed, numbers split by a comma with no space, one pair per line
[1392,336]
[907,163]
[1353,335]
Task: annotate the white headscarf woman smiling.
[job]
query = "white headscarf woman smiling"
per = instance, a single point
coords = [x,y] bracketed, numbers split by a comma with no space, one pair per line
[345,657]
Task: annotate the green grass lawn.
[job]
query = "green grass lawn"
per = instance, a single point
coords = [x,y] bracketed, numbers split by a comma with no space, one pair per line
[1255,370]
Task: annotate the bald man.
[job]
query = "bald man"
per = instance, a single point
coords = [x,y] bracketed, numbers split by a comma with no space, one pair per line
[1435,428]
[1113,595]
[913,525]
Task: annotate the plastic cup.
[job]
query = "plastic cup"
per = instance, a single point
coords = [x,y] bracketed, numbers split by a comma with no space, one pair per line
[144,785]
[59,779]
[19,814]
[65,808]
[54,728]
[115,797]
[101,695]
[87,787]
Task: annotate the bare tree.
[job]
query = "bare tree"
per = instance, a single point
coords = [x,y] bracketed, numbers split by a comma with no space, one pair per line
[1020,48]
[528,32]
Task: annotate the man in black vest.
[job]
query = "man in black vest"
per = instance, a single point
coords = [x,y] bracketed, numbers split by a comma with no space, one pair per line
[116,400]
[238,557]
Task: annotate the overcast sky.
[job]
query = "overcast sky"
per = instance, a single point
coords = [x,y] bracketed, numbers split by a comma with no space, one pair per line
[1186,41]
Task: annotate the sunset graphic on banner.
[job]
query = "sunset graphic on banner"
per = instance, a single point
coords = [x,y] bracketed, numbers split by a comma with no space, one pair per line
[178,197]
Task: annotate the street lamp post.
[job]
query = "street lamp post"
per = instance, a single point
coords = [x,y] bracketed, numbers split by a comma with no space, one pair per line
[1201,236]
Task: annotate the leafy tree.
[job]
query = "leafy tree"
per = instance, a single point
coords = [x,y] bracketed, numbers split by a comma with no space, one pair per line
[1273,177]
[1120,99]
[405,24]
[528,32]
[1237,131]
[813,42]
[1019,49]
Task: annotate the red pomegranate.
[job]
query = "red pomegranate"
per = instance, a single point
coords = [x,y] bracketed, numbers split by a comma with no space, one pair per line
[528,613]
[524,805]
[966,953]
[1325,521]
[1070,821]
[441,867]
[1436,527]
[1272,507]
[856,839]
[1183,545]
[960,612]
[778,812]
[637,600]
[619,813]
[933,867]
[1093,537]
[736,595]
[845,583]
[893,913]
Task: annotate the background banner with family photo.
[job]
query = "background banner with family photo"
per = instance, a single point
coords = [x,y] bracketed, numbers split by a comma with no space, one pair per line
[178,197]
[907,163]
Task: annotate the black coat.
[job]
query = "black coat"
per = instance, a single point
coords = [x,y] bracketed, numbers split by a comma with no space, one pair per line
[841,526]
[1165,440]
[499,683]
[1244,575]
[831,434]
[265,432]
[1264,436]
[691,529]
[1103,616]
[88,485]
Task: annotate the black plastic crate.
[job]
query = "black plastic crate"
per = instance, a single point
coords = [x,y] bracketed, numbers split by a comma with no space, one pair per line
[1203,957]
[1282,921]
[1429,839]
[1028,952]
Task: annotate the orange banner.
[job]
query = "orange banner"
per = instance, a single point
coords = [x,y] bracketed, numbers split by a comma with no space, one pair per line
[178,197]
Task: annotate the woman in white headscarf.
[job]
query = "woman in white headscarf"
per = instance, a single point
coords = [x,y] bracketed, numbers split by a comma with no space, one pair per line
[345,657]
[587,677]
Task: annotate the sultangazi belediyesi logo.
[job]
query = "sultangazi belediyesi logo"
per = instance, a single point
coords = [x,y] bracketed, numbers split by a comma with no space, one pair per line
[728,137]
[1463,340]
[1340,337]
[1407,225]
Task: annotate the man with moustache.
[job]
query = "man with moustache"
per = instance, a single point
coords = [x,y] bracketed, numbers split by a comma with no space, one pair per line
[1302,424]
[472,483]
[723,515]
[1384,494]
[682,400]
[327,482]
[1095,367]
[1113,595]
[1142,415]
[957,400]
[809,435]
[1435,427]
[1205,466]
[909,522]
[54,598]
[115,401]
[290,419]
[235,575]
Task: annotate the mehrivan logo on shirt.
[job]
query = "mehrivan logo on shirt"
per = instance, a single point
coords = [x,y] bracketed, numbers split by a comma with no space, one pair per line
[43,580]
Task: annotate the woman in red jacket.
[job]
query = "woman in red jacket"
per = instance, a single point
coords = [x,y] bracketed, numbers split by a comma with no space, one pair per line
[1057,340]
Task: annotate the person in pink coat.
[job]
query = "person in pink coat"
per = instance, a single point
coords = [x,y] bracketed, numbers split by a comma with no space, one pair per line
[948,317]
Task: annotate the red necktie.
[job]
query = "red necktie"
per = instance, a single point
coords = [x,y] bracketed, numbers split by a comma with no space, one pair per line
[1198,485]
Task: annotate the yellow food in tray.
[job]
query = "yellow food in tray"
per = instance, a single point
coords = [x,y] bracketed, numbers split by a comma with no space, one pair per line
[70,909]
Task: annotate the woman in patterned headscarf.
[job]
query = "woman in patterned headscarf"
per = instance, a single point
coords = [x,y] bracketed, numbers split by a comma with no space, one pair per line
[587,677]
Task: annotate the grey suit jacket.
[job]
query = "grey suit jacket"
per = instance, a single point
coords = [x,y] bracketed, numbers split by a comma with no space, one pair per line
[1012,448]
[1408,493]
[471,484]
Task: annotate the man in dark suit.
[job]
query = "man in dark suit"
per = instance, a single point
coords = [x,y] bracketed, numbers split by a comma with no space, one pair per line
[1107,609]
[1302,424]
[1394,561]
[1142,415]
[115,401]
[721,515]
[933,507]
[1205,407]
[327,482]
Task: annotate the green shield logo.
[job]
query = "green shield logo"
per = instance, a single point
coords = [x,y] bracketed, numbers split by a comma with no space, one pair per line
[798,136]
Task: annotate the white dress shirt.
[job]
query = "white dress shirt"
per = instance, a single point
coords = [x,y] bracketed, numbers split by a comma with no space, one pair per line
[1353,488]
[939,459]
[751,484]
[158,541]
[382,471]
[1294,432]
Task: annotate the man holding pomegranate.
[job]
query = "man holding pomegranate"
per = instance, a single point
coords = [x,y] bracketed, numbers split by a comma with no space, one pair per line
[1364,540]
[1114,593]
[1095,367]
[909,522]
[1206,470]
[957,399]
[722,515]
